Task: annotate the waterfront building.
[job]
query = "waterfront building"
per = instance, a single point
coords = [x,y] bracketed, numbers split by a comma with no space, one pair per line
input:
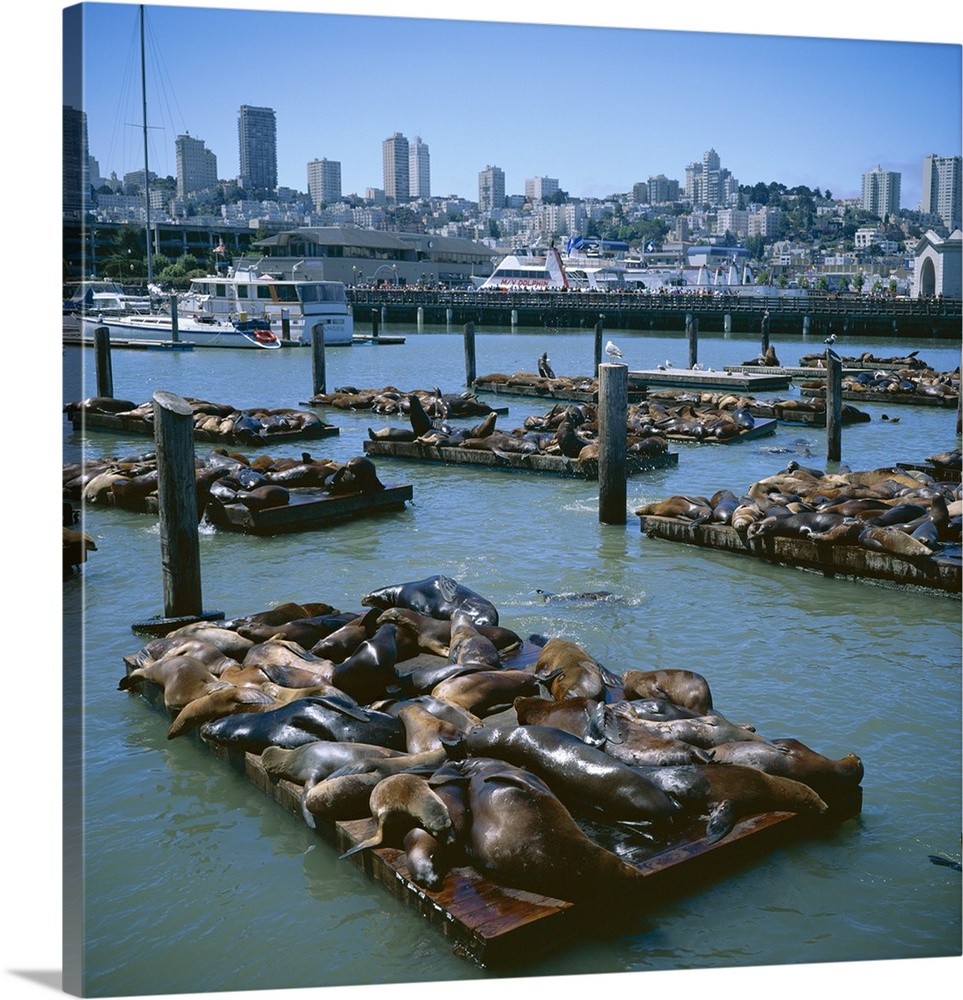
[395,160]
[324,182]
[941,189]
[540,188]
[881,192]
[196,166]
[258,148]
[491,189]
[419,169]
[938,267]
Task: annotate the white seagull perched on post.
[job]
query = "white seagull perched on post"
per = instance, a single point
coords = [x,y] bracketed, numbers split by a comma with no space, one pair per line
[612,351]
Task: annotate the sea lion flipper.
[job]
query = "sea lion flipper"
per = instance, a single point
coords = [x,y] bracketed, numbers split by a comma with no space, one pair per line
[722,819]
[305,812]
[362,845]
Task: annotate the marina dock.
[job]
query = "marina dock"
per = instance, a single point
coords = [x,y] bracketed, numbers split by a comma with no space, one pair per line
[747,380]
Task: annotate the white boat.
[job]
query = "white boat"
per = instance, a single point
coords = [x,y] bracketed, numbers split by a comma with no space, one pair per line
[193,331]
[101,296]
[543,270]
[259,294]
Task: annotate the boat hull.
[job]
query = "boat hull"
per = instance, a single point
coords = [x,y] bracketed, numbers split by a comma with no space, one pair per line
[159,329]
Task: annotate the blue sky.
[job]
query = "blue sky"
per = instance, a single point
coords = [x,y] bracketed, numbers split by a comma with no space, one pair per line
[597,106]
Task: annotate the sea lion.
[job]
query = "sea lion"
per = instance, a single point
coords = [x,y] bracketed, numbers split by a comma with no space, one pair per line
[338,645]
[522,835]
[894,542]
[424,731]
[437,596]
[369,672]
[306,632]
[468,645]
[342,798]
[312,762]
[484,692]
[705,731]
[569,671]
[357,475]
[400,802]
[182,678]
[228,699]
[174,645]
[726,793]
[689,508]
[227,640]
[579,774]
[303,721]
[789,758]
[427,858]
[682,687]
[433,635]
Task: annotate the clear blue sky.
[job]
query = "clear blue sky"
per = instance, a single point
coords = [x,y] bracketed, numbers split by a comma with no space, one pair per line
[597,107]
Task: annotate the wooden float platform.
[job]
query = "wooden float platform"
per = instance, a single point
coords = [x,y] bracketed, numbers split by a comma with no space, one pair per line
[762,428]
[556,465]
[886,398]
[499,927]
[787,371]
[749,379]
[75,339]
[377,338]
[87,420]
[636,393]
[308,510]
[939,574]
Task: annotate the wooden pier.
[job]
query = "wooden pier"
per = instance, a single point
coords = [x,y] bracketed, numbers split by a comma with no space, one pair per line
[697,378]
[886,398]
[499,927]
[556,465]
[939,574]
[552,389]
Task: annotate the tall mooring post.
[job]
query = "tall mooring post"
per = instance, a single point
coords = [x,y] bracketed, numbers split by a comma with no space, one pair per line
[285,324]
[834,406]
[692,334]
[175,334]
[318,373]
[177,505]
[469,354]
[105,371]
[765,331]
[612,410]
[375,322]
[599,331]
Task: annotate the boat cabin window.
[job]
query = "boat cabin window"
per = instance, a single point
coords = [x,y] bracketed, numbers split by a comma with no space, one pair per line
[322,292]
[277,293]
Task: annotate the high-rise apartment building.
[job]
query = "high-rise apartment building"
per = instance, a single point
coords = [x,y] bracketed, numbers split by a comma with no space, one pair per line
[941,189]
[324,182]
[394,155]
[491,189]
[881,192]
[257,136]
[540,188]
[196,166]
[419,169]
[75,172]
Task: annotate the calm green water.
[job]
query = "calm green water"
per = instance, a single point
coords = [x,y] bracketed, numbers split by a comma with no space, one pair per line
[196,882]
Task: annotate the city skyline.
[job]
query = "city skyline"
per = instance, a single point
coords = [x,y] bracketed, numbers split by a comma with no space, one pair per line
[760,101]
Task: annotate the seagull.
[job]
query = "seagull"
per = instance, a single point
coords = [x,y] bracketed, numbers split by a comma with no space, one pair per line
[831,339]
[668,364]
[612,351]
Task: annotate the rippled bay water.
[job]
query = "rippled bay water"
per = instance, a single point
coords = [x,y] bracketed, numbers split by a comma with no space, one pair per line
[194,881]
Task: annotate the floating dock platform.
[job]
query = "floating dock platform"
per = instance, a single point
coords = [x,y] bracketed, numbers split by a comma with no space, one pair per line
[90,421]
[886,398]
[938,574]
[556,465]
[72,339]
[308,510]
[498,927]
[749,380]
[636,393]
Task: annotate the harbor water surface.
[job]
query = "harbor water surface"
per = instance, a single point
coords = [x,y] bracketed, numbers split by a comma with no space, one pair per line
[194,881]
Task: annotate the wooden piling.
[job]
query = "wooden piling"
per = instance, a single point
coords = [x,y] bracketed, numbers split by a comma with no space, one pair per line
[834,405]
[375,322]
[285,324]
[421,317]
[175,333]
[469,354]
[692,333]
[765,332]
[317,360]
[599,329]
[105,373]
[612,408]
[177,505]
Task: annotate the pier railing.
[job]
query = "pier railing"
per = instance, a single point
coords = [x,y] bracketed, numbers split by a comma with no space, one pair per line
[718,311]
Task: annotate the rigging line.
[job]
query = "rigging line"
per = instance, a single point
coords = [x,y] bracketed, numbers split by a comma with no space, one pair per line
[163,91]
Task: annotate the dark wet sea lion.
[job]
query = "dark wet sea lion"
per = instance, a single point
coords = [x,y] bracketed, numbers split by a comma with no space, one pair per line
[894,542]
[369,672]
[304,721]
[468,645]
[437,596]
[312,762]
[705,731]
[338,645]
[577,773]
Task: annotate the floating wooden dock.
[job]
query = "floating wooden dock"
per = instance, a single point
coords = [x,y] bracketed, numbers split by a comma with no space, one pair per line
[307,510]
[788,372]
[74,339]
[499,927]
[697,378]
[886,398]
[556,465]
[938,574]
[636,393]
[119,424]
[762,428]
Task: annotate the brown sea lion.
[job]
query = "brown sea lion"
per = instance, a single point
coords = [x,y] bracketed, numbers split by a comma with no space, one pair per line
[483,692]
[569,671]
[338,645]
[342,798]
[894,542]
[682,687]
[468,645]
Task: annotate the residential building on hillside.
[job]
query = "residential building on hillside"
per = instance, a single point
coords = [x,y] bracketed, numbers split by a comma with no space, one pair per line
[196,166]
[419,169]
[881,192]
[258,148]
[75,168]
[540,188]
[395,161]
[324,182]
[941,189]
[491,189]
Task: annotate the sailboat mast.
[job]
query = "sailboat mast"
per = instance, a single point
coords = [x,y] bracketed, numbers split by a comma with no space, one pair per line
[143,89]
